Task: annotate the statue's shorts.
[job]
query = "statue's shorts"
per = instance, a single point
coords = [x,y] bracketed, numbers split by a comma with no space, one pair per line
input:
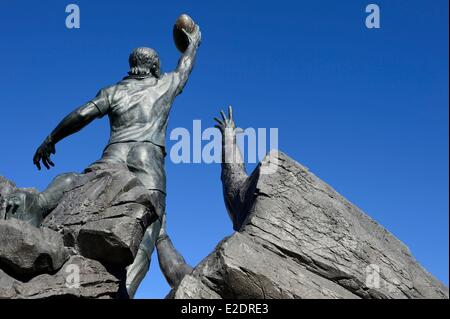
[144,159]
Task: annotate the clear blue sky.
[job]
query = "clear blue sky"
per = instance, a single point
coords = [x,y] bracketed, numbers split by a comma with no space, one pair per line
[365,110]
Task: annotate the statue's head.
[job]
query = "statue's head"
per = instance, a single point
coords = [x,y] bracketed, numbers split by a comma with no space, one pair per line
[144,61]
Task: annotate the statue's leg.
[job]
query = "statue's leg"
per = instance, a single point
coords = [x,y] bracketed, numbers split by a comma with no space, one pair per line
[50,198]
[34,206]
[53,194]
[171,262]
[137,271]
[146,161]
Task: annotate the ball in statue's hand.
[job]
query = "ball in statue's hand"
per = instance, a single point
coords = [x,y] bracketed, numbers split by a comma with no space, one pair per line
[181,40]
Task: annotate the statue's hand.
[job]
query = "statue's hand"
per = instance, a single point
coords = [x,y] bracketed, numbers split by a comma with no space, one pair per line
[227,123]
[43,154]
[13,203]
[24,205]
[195,37]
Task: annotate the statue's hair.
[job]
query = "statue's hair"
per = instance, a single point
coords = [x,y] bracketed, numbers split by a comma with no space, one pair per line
[144,61]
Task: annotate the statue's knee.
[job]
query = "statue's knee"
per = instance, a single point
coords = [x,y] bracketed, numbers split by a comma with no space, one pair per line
[66,179]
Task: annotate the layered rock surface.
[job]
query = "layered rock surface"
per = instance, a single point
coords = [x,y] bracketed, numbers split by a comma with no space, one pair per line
[26,251]
[301,239]
[94,282]
[82,248]
[104,218]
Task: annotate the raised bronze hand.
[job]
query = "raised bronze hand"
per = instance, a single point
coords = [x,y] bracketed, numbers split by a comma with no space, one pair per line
[43,154]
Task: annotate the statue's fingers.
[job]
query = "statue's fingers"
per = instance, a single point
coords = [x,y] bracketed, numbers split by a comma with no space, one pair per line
[10,210]
[36,162]
[8,206]
[15,206]
[53,149]
[218,121]
[196,29]
[223,116]
[36,158]
[11,206]
[230,113]
[16,202]
[50,162]
[44,161]
[186,33]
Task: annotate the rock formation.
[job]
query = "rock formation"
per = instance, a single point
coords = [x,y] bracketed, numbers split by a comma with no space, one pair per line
[301,239]
[295,238]
[94,233]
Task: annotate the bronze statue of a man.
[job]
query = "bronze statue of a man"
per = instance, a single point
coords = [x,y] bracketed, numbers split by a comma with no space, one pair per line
[138,108]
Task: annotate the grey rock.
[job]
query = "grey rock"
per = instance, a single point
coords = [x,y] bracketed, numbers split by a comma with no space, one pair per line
[100,220]
[78,278]
[301,239]
[112,241]
[7,284]
[104,216]
[296,238]
[6,186]
[27,251]
[192,287]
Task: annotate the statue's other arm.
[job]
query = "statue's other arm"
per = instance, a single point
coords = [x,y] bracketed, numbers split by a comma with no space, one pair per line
[187,60]
[71,124]
[234,177]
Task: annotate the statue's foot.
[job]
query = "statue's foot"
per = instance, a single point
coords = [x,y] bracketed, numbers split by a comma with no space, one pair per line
[25,205]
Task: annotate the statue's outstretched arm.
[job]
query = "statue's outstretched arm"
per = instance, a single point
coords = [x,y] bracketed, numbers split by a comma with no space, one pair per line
[71,124]
[187,60]
[234,177]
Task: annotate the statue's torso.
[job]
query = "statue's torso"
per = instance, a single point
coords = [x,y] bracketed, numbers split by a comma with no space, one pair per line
[139,109]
